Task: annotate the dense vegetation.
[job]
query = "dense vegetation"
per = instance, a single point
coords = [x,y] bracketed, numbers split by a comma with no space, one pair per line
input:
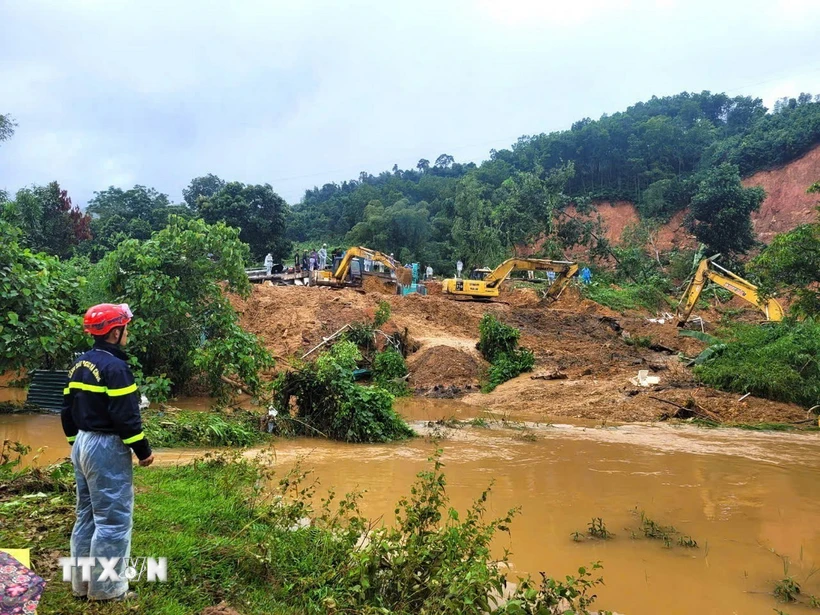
[779,361]
[331,404]
[656,153]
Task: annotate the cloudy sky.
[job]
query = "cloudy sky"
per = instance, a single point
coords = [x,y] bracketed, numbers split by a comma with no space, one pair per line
[301,93]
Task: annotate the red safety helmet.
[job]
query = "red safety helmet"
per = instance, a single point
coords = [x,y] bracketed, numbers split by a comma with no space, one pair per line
[100,319]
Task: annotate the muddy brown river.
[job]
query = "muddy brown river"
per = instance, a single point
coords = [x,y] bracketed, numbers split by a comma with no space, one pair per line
[750,500]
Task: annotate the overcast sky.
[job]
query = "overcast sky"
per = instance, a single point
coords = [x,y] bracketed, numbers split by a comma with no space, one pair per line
[301,93]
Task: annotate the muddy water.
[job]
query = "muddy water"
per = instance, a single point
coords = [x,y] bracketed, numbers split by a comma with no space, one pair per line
[749,499]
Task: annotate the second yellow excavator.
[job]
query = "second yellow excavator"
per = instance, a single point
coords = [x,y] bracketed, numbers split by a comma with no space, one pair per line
[348,271]
[709,270]
[490,285]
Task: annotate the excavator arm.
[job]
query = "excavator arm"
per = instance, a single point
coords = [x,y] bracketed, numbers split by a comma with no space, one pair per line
[489,286]
[707,271]
[502,272]
[360,252]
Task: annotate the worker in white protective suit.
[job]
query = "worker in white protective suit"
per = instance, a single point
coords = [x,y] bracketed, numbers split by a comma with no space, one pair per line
[268,263]
[101,420]
[323,257]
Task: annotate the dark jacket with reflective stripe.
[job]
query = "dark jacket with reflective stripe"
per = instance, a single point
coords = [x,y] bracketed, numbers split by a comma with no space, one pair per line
[101,396]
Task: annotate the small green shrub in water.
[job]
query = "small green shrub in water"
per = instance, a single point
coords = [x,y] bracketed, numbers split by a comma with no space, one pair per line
[572,596]
[778,361]
[389,371]
[331,404]
[597,529]
[498,344]
[787,590]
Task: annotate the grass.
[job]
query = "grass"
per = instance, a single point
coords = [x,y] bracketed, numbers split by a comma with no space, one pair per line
[778,361]
[231,533]
[213,428]
[202,517]
[627,297]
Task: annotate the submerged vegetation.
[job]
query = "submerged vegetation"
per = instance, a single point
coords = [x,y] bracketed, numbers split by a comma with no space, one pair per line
[331,404]
[194,428]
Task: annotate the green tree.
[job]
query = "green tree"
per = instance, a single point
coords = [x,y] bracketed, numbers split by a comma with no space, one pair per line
[476,234]
[257,211]
[792,263]
[48,220]
[184,325]
[720,215]
[7,126]
[40,325]
[205,186]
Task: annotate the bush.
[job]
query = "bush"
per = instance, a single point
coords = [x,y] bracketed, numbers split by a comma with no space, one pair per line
[496,338]
[40,324]
[389,371]
[331,404]
[498,344]
[648,296]
[183,324]
[779,361]
[194,428]
[507,366]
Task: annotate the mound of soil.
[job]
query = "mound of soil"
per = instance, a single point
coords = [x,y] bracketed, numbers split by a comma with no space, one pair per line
[444,366]
[433,287]
[374,284]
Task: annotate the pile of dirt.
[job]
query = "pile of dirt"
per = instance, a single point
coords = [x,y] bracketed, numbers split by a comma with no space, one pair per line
[433,287]
[375,284]
[444,366]
[404,276]
[572,300]
[519,297]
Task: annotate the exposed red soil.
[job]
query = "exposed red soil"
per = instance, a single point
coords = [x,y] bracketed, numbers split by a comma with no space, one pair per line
[595,347]
[786,206]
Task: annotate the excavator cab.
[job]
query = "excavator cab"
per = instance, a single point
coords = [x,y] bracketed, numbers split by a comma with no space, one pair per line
[480,274]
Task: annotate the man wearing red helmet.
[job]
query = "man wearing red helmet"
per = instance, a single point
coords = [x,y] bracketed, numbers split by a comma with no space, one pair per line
[101,420]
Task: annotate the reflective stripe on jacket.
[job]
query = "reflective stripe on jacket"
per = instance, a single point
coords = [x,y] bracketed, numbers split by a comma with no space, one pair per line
[101,396]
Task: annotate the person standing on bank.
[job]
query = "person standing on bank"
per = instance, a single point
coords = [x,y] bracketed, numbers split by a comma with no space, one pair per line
[268,263]
[459,268]
[101,420]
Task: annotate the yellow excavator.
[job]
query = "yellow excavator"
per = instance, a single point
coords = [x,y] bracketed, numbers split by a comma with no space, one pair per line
[708,270]
[489,286]
[348,271]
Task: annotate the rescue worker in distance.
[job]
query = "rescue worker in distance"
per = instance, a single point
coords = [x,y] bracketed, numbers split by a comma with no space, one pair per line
[101,420]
